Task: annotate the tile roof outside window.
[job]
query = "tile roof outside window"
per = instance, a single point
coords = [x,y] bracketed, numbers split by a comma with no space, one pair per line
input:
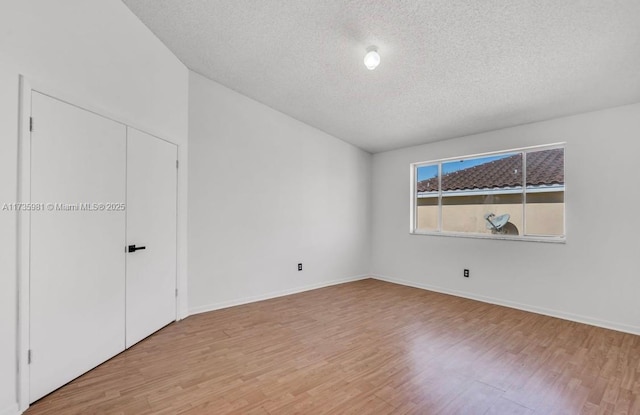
[544,167]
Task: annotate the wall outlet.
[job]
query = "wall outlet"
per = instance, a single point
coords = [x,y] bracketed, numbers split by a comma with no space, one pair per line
[300,266]
[465,273]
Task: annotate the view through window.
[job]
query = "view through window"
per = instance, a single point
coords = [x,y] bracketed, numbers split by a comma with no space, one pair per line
[517,194]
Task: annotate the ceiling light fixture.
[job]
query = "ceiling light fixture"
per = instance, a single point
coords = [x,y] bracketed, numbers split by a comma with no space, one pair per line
[372,58]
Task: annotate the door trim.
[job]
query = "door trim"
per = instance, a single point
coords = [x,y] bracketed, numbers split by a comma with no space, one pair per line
[24,243]
[23,234]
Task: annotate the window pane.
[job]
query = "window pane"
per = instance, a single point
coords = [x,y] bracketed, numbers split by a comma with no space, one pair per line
[545,192]
[483,195]
[427,198]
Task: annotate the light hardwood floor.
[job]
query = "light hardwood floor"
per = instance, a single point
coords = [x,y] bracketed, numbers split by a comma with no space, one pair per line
[367,347]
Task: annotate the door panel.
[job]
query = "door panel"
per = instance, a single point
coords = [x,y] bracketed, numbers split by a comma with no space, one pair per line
[151,222]
[77,260]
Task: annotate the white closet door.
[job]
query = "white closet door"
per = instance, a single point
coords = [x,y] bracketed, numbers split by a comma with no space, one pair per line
[151,223]
[77,286]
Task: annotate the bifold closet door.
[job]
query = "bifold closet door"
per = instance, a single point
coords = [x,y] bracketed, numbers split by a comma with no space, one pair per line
[77,259]
[151,234]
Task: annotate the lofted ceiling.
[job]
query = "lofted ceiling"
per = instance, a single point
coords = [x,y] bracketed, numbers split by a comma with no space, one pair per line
[449,67]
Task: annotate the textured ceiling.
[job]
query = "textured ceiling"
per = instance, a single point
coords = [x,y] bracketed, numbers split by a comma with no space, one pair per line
[449,67]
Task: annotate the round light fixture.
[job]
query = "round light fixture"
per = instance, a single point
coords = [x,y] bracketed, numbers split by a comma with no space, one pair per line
[372,58]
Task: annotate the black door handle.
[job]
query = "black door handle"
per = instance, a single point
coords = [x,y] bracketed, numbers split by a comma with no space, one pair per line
[133,248]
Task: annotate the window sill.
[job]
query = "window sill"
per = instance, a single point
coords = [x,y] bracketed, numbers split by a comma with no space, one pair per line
[545,239]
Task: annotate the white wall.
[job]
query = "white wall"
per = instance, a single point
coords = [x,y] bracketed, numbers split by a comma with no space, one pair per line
[592,278]
[267,192]
[8,189]
[99,55]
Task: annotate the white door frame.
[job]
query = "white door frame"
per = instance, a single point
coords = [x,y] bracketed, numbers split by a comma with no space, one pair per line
[24,242]
[27,86]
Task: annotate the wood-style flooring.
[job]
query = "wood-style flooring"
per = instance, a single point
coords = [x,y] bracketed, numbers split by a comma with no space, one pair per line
[367,347]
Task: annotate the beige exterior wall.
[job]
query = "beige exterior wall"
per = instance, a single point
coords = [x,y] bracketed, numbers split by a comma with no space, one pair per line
[466,214]
[545,218]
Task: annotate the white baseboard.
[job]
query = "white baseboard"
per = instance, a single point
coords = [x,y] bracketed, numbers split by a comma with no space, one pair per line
[10,410]
[626,328]
[268,296]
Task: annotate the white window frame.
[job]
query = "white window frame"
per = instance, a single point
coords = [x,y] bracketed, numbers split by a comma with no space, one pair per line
[523,237]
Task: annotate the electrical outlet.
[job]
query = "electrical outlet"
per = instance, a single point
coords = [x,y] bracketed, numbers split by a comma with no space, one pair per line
[465,273]
[300,267]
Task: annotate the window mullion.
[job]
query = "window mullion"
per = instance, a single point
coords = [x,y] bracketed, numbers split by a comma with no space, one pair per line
[439,197]
[524,193]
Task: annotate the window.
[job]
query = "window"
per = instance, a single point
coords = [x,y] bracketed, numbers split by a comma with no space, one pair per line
[484,196]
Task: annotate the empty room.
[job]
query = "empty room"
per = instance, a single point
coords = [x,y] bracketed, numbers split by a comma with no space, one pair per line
[319,207]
